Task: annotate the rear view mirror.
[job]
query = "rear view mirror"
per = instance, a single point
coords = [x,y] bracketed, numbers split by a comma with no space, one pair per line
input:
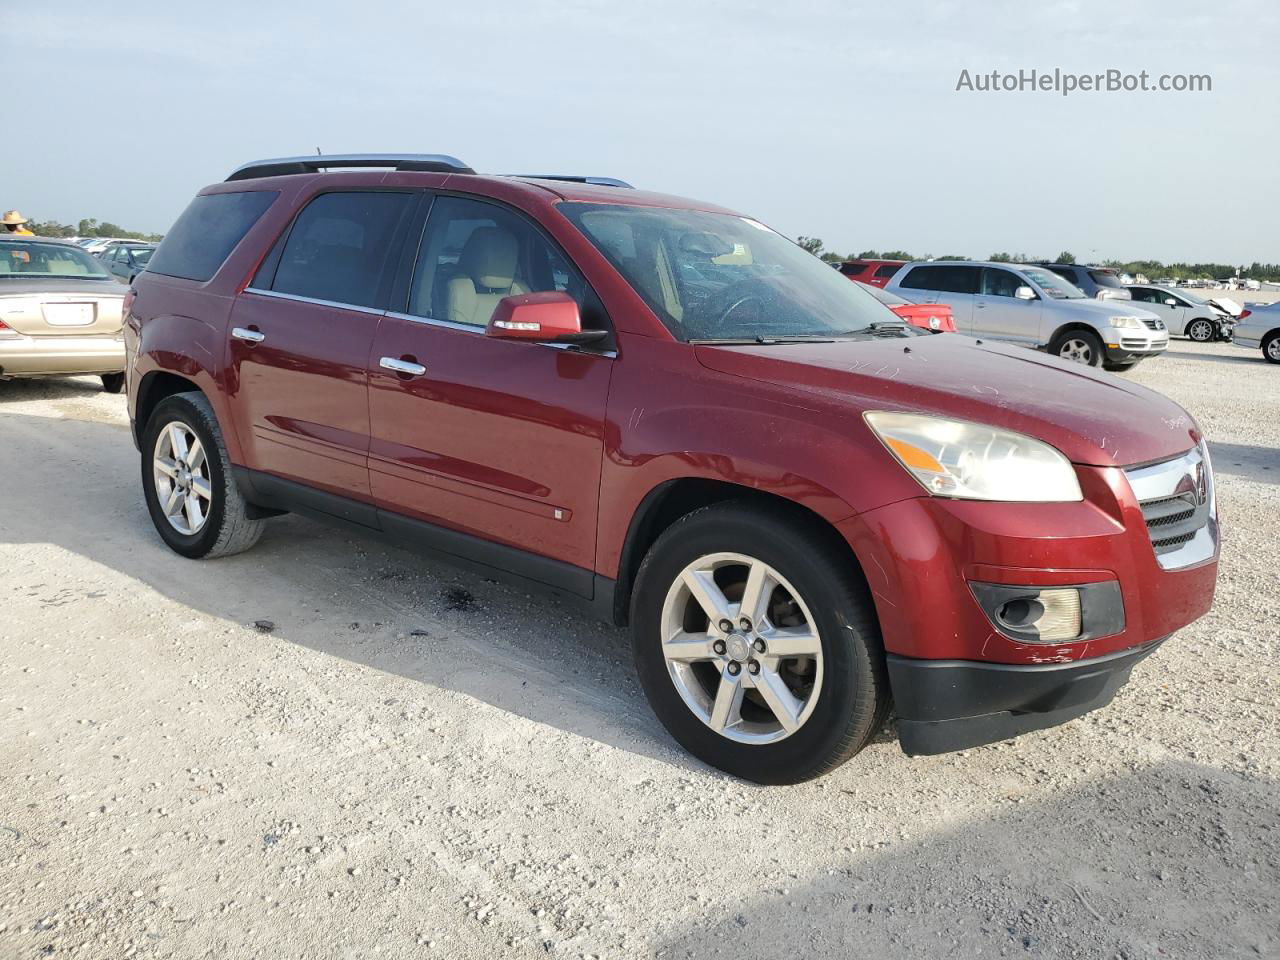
[548,317]
[1024,293]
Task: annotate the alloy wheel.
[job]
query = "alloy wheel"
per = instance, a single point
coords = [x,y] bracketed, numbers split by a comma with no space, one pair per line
[1201,331]
[1273,349]
[742,648]
[1076,350]
[181,470]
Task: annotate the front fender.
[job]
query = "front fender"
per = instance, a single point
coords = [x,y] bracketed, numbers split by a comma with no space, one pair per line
[670,418]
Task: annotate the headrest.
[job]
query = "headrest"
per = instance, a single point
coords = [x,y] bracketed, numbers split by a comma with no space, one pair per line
[489,257]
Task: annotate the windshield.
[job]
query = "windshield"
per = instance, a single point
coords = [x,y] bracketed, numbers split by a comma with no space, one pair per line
[714,276]
[1054,285]
[143,255]
[25,260]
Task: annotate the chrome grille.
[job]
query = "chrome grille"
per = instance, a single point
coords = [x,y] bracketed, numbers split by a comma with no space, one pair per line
[1179,507]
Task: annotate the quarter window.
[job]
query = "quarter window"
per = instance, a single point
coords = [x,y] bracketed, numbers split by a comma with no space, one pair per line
[338,247]
[203,237]
[475,253]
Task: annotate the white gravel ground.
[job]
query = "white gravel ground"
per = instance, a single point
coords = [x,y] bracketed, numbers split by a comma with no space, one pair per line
[395,772]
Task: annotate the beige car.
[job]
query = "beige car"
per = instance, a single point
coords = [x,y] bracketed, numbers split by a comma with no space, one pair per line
[60,313]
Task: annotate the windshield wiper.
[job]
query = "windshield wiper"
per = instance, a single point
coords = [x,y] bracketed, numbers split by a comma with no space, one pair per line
[760,340]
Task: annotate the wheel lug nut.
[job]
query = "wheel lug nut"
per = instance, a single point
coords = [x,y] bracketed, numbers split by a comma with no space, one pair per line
[745,624]
[735,668]
[718,647]
[759,645]
[754,667]
[726,625]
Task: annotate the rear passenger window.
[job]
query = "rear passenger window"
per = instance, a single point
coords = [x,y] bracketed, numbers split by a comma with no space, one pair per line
[945,279]
[475,253]
[338,247]
[888,270]
[200,241]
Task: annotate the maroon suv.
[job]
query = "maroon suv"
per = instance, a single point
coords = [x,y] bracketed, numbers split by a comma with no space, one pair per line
[674,416]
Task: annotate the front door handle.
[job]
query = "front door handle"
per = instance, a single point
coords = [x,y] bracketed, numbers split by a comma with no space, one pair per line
[407,367]
[248,336]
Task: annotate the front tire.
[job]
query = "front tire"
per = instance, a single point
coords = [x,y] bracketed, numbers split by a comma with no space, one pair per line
[1079,346]
[112,382]
[187,481]
[1201,331]
[756,643]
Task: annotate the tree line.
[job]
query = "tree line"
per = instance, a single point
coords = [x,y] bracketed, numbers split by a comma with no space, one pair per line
[88,228]
[1153,269]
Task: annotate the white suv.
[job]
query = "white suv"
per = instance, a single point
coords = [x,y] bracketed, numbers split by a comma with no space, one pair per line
[1035,307]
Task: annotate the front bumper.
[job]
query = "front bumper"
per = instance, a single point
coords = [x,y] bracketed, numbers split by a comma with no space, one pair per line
[1132,345]
[41,356]
[922,558]
[945,705]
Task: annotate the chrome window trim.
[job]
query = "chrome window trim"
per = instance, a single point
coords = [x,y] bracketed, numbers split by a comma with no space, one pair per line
[477,330]
[320,303]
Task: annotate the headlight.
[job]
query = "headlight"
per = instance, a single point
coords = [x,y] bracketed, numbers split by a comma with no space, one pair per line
[971,461]
[1132,323]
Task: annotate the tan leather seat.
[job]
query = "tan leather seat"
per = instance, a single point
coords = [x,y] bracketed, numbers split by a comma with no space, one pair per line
[488,265]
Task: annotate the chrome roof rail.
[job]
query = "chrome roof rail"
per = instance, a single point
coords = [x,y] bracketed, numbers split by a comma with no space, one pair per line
[574,178]
[284,166]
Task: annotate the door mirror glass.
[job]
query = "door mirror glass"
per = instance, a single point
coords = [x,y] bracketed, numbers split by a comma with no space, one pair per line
[1170,302]
[548,317]
[1024,293]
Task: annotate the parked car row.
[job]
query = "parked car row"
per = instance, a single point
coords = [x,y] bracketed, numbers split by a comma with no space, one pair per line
[1082,313]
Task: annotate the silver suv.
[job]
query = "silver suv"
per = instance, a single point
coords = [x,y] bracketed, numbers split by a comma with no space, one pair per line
[1035,307]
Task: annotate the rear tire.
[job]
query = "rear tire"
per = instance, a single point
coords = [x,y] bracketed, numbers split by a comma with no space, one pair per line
[112,382]
[1271,348]
[1201,330]
[193,499]
[835,699]
[1079,346]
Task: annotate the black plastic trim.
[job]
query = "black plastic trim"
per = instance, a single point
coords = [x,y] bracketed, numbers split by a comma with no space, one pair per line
[585,588]
[946,705]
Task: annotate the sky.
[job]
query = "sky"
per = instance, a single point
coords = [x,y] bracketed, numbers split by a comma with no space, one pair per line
[837,120]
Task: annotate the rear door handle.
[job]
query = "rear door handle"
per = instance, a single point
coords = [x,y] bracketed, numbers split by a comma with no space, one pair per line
[248,336]
[406,367]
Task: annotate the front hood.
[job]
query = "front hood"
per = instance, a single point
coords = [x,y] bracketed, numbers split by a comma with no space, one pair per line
[1106,308]
[1092,417]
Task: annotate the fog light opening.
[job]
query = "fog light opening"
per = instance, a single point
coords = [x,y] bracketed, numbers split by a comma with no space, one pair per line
[1052,615]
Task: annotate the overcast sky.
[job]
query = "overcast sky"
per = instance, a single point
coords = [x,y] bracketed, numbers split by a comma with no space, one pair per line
[838,120]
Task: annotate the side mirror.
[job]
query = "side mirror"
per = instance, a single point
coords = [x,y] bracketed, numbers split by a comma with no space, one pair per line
[1024,293]
[548,317]
[1170,302]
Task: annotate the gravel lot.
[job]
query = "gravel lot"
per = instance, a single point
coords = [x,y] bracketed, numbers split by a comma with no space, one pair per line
[414,762]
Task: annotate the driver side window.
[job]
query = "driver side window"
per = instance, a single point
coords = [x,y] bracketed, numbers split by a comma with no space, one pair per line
[473,254]
[1000,283]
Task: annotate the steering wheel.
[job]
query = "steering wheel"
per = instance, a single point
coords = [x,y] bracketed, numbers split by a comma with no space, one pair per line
[733,297]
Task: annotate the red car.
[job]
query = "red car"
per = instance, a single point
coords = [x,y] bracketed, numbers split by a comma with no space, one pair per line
[934,317]
[675,417]
[876,273]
